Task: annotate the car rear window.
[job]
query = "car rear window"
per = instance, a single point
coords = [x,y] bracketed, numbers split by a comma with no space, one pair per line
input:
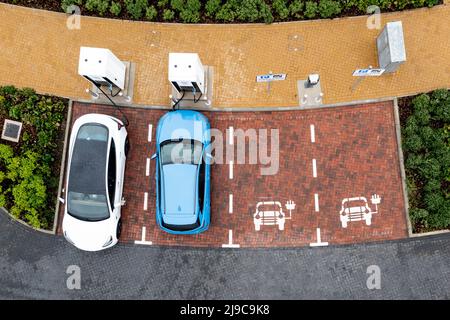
[181,151]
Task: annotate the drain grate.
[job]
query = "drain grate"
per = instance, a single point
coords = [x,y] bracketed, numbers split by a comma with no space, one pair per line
[11,130]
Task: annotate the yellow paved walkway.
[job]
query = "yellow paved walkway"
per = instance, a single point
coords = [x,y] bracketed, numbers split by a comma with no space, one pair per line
[38,50]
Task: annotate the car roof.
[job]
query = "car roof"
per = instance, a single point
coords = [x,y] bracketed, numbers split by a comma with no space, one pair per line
[88,164]
[180,183]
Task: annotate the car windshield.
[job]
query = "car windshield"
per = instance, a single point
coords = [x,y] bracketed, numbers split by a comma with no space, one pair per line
[181,151]
[86,198]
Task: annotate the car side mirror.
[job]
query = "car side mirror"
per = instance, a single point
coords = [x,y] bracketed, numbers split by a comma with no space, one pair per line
[154,156]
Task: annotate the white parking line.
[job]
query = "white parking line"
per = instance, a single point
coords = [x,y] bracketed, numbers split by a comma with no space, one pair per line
[147,168]
[316,202]
[231,169]
[231,135]
[143,241]
[230,206]
[319,242]
[314,164]
[145,201]
[230,241]
[150,127]
[313,134]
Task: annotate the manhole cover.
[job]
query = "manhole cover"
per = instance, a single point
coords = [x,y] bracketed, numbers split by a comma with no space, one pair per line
[11,130]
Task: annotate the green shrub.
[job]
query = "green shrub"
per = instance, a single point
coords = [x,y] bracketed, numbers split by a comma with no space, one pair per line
[162,3]
[226,13]
[191,11]
[28,171]
[281,8]
[253,10]
[248,10]
[168,15]
[115,8]
[100,6]
[296,8]
[266,13]
[136,8]
[426,144]
[329,8]
[212,7]
[151,13]
[177,5]
[310,9]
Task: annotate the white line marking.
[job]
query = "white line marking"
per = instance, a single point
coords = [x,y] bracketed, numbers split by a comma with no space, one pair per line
[319,242]
[150,127]
[231,135]
[230,206]
[145,201]
[314,168]
[147,168]
[316,202]
[231,169]
[230,241]
[143,241]
[313,134]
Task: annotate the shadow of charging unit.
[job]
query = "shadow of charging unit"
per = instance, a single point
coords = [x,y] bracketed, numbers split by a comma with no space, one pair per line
[192,82]
[103,69]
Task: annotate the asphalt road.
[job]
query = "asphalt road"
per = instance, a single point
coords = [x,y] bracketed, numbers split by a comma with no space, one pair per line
[33,265]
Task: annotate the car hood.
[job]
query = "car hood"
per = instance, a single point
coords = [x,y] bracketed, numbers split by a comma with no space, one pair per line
[87,235]
[184,124]
[179,190]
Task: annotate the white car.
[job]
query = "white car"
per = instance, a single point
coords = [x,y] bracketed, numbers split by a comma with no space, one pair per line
[269,213]
[95,172]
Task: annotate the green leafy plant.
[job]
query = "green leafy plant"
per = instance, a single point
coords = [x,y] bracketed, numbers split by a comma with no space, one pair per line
[311,10]
[329,8]
[212,7]
[226,12]
[281,8]
[296,8]
[151,13]
[426,147]
[115,8]
[168,15]
[101,6]
[136,8]
[191,12]
[28,178]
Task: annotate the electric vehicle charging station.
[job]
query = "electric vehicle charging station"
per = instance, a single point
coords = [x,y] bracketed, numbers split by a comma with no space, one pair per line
[110,77]
[191,81]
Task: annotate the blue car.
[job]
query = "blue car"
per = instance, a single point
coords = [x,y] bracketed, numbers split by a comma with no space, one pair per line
[183,172]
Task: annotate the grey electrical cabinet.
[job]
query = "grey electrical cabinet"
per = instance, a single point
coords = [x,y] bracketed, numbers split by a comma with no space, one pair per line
[391,47]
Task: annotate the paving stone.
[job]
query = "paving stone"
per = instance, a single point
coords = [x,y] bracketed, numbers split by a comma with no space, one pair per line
[356,154]
[43,54]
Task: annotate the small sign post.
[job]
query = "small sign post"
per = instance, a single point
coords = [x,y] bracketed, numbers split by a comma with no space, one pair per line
[368,72]
[270,77]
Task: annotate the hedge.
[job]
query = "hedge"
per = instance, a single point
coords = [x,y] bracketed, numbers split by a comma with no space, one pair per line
[224,11]
[29,169]
[426,147]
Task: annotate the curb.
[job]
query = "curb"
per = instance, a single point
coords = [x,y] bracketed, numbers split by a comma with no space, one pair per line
[26,224]
[62,167]
[402,166]
[243,109]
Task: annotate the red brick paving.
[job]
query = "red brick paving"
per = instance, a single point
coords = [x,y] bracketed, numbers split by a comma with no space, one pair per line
[356,152]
